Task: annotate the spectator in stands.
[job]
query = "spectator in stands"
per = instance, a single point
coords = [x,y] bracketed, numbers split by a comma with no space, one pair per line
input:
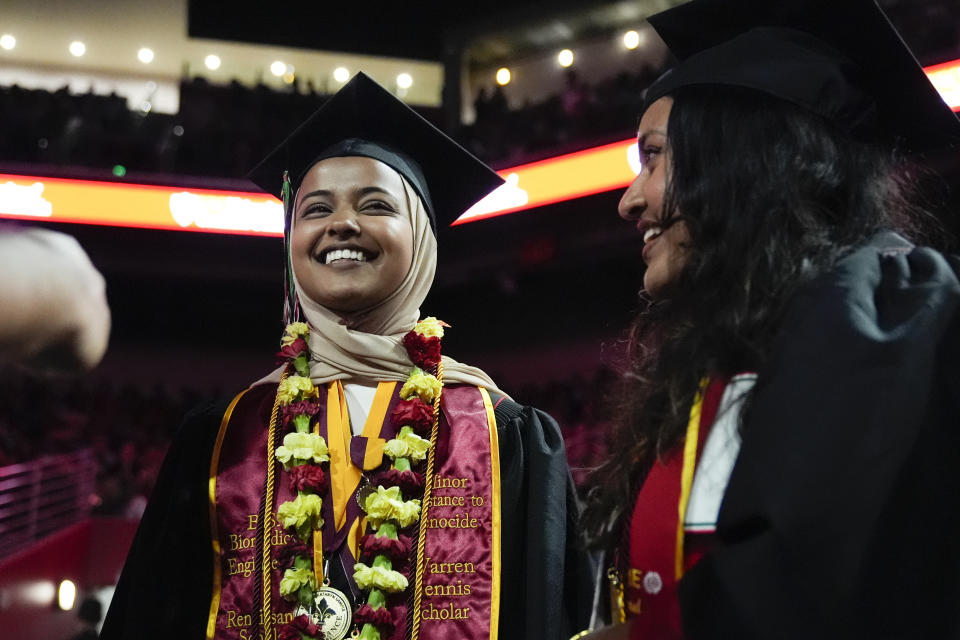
[790,417]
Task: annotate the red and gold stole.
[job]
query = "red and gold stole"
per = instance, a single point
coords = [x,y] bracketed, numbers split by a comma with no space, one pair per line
[657,555]
[459,585]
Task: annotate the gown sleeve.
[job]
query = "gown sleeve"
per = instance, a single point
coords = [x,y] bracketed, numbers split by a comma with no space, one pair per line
[165,586]
[546,576]
[842,512]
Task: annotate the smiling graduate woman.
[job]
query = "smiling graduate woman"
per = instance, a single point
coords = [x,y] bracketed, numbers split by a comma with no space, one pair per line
[370,485]
[785,462]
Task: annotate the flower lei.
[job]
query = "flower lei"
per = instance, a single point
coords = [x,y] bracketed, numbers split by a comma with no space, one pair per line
[392,507]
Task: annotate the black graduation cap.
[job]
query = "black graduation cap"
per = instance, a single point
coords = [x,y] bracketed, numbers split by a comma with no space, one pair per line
[839,58]
[364,119]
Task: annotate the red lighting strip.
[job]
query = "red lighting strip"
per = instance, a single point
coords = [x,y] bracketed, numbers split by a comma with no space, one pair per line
[536,184]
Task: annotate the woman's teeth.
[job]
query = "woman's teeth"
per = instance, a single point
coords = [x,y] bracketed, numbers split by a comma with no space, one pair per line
[345,254]
[651,233]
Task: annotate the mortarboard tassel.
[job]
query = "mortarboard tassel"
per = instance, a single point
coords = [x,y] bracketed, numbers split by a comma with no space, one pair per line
[291,310]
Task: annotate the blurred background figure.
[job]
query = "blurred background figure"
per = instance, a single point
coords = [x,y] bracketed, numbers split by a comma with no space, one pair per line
[54,307]
[89,613]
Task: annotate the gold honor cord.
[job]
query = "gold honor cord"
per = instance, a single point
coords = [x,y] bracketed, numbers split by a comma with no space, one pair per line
[421,537]
[686,473]
[266,614]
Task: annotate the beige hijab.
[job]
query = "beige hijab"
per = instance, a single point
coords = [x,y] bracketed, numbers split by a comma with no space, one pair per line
[367,344]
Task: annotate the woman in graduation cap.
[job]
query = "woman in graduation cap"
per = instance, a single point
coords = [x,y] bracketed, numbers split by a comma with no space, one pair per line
[785,464]
[370,485]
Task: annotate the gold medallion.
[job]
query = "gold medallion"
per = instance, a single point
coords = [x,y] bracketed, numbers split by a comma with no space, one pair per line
[331,610]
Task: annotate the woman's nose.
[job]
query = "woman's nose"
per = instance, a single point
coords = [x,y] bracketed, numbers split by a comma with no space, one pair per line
[343,223]
[632,203]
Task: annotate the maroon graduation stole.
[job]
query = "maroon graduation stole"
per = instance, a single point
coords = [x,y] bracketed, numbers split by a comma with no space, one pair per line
[457,592]
[657,555]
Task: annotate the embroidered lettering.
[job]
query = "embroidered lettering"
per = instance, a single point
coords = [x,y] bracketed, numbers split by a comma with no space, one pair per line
[443,482]
[235,568]
[236,619]
[252,521]
[450,567]
[459,521]
[241,542]
[447,590]
[449,612]
[444,501]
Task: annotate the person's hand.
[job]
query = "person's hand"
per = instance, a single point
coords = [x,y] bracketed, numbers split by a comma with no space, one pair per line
[53,305]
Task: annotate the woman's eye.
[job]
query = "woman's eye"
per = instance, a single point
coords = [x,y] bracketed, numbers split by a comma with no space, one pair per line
[378,205]
[648,153]
[315,208]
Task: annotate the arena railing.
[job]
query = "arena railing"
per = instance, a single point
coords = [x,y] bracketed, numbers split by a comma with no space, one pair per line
[42,496]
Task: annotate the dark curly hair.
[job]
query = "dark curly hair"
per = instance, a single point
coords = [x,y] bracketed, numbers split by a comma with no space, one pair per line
[772,196]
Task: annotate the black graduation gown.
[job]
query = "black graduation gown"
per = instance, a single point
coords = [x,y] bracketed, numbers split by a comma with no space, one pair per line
[842,516]
[165,588]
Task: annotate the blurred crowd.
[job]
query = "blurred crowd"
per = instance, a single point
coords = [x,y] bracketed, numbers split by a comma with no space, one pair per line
[580,115]
[224,130]
[129,429]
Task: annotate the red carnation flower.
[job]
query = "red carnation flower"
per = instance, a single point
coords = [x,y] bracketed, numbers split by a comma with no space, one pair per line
[381,618]
[410,482]
[286,632]
[286,554]
[424,351]
[304,624]
[397,550]
[414,412]
[305,407]
[308,477]
[292,350]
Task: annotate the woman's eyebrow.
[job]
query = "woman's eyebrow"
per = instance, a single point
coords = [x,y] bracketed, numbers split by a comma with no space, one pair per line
[642,136]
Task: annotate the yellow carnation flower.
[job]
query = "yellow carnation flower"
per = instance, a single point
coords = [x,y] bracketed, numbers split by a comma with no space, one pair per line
[292,386]
[304,513]
[388,504]
[422,384]
[303,447]
[430,327]
[407,445]
[293,579]
[384,579]
[293,331]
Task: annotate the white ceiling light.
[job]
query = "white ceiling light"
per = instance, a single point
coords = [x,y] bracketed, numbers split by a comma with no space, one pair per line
[77,48]
[341,74]
[145,55]
[631,39]
[7,41]
[278,68]
[565,58]
[66,595]
[503,76]
[212,62]
[404,81]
